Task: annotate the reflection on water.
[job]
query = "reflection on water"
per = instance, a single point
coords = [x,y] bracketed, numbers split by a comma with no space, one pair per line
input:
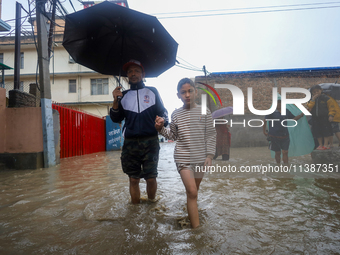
[82,207]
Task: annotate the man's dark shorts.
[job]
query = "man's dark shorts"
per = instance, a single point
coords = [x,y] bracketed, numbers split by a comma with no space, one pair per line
[279,143]
[140,157]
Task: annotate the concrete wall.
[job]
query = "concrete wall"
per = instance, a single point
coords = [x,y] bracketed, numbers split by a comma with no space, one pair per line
[23,130]
[242,135]
[21,137]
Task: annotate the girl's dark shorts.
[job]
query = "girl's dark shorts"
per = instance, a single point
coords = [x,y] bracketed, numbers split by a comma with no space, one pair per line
[140,157]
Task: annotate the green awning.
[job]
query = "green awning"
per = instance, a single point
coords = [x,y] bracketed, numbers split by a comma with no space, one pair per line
[4,67]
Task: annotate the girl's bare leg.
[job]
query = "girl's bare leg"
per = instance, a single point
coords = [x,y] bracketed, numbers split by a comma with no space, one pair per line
[191,186]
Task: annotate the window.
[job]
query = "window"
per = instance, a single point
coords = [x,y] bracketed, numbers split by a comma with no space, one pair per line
[21,86]
[1,58]
[21,60]
[72,86]
[100,86]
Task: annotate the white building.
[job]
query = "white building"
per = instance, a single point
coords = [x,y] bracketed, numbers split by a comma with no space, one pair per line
[71,83]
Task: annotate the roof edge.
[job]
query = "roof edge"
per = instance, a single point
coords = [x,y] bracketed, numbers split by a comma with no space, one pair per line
[311,69]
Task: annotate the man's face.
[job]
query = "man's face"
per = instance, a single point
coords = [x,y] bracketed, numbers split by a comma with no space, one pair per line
[135,74]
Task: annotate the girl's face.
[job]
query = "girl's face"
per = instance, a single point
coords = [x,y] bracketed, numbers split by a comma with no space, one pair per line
[187,94]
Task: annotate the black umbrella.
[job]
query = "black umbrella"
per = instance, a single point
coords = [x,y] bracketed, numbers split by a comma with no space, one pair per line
[331,89]
[105,36]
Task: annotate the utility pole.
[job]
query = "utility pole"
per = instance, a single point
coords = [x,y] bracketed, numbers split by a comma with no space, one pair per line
[50,34]
[44,81]
[17,53]
[206,81]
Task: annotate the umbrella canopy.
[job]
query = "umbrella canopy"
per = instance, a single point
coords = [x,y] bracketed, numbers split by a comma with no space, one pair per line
[331,89]
[105,36]
[222,112]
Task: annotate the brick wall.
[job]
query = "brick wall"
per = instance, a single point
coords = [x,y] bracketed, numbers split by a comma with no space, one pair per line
[19,98]
[262,83]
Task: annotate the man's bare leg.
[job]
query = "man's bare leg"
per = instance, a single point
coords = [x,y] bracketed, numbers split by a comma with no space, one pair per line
[134,190]
[278,156]
[285,156]
[151,188]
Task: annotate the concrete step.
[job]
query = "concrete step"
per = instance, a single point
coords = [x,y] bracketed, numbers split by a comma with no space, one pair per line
[331,156]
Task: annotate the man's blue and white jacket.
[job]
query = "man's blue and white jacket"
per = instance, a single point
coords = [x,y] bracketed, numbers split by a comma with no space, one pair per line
[139,107]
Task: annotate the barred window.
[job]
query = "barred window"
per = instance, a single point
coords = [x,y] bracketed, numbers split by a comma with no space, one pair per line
[100,86]
[1,58]
[72,86]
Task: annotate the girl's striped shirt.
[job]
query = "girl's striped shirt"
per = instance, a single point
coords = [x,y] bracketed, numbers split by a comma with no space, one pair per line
[195,135]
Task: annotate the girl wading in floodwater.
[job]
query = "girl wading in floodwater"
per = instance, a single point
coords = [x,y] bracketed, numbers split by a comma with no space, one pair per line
[196,142]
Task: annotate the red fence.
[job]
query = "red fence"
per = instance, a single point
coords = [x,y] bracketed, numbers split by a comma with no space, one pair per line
[80,133]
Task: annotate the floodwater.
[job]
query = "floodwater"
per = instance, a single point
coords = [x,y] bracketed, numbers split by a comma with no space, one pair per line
[82,207]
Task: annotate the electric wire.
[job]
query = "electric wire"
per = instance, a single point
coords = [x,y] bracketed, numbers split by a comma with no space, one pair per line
[13,30]
[247,8]
[72,6]
[188,68]
[35,43]
[187,63]
[251,12]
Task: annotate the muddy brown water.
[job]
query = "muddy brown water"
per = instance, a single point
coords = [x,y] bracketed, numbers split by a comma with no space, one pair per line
[82,207]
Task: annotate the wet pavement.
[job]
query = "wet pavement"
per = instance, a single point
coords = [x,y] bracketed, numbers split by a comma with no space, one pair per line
[82,207]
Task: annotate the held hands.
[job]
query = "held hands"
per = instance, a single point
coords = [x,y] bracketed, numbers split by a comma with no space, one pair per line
[159,123]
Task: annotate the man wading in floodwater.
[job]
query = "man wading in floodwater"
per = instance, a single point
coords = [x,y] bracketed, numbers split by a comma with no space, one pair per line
[139,106]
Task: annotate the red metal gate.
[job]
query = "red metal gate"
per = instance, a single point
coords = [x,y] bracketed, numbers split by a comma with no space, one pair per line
[80,133]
